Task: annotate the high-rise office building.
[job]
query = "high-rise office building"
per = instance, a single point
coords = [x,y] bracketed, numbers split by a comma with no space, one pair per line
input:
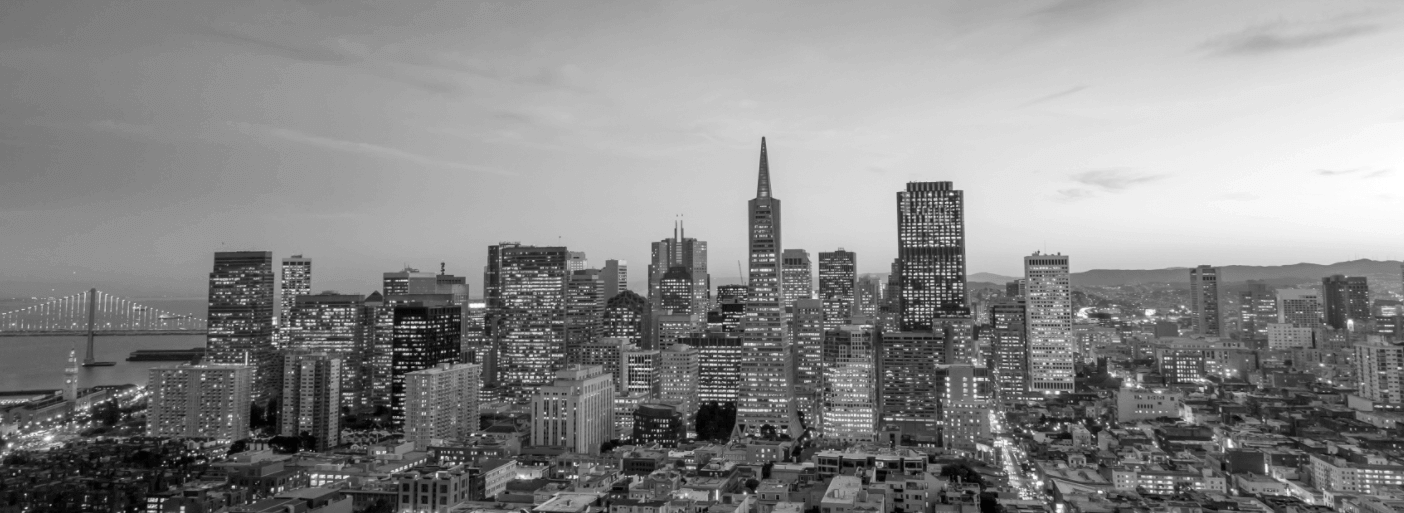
[576,261]
[931,248]
[241,316]
[476,346]
[492,316]
[1015,289]
[807,326]
[639,372]
[736,293]
[767,381]
[657,423]
[907,387]
[424,336]
[1257,308]
[965,405]
[441,403]
[616,277]
[678,375]
[333,323]
[1346,300]
[677,274]
[576,411]
[409,281]
[607,353]
[626,315]
[1011,350]
[796,275]
[869,296]
[849,389]
[532,326]
[1300,307]
[456,286]
[718,366]
[1380,367]
[665,330]
[838,273]
[1204,301]
[311,402]
[297,281]
[189,401]
[1048,303]
[585,304]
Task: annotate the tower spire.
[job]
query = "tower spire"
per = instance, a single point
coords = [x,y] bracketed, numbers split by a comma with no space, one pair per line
[763,185]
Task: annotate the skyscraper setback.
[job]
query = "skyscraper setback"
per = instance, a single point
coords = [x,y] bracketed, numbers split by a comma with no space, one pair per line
[1048,299]
[931,249]
[241,316]
[766,390]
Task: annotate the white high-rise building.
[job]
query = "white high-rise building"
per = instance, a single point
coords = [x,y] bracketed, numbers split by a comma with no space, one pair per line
[1301,307]
[576,261]
[441,403]
[576,411]
[1048,299]
[849,398]
[638,370]
[1380,366]
[297,281]
[678,372]
[207,401]
[311,400]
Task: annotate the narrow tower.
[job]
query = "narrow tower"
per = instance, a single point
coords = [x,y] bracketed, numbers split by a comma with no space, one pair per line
[765,398]
[70,376]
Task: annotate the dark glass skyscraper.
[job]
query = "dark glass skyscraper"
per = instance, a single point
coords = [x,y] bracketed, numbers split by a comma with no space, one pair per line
[931,249]
[837,280]
[766,394]
[1345,299]
[679,259]
[241,316]
[424,336]
[531,329]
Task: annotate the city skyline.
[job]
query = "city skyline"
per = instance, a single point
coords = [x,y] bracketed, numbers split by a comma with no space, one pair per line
[134,182]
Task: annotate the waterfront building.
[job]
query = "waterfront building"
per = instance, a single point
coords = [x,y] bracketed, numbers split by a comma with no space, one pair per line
[312,396]
[796,276]
[849,389]
[424,336]
[441,403]
[1204,301]
[1345,301]
[1048,303]
[575,411]
[200,401]
[766,393]
[241,316]
[931,249]
[838,273]
[297,281]
[532,324]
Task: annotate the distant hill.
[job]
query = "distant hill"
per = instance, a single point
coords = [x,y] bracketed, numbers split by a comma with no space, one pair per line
[991,278]
[1384,274]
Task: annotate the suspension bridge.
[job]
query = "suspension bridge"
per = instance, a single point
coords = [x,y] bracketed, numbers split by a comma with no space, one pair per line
[94,313]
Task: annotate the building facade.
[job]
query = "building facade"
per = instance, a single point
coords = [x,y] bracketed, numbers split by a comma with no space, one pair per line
[1048,302]
[838,275]
[441,403]
[576,411]
[198,401]
[297,281]
[931,249]
[796,276]
[424,337]
[1345,300]
[849,387]
[312,397]
[531,335]
[241,316]
[1204,301]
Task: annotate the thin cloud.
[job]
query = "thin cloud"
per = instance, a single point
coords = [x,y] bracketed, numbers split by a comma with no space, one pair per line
[1361,173]
[359,148]
[1378,173]
[122,127]
[1075,11]
[1054,96]
[281,48]
[1113,180]
[1074,194]
[1280,37]
[1238,196]
[343,52]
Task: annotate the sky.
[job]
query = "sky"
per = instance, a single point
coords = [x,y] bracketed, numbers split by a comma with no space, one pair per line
[139,137]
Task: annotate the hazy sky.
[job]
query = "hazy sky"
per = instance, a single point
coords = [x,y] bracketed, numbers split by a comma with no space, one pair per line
[137,137]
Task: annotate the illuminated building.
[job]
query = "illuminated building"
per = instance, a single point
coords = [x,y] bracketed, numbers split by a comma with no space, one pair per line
[868,296]
[1257,308]
[1011,351]
[907,383]
[1346,300]
[667,328]
[607,353]
[409,281]
[1301,307]
[616,277]
[585,304]
[1091,339]
[576,261]
[678,376]
[736,293]
[241,316]
[492,317]
[796,275]
[441,403]
[1334,473]
[531,333]
[70,377]
[1138,404]
[1286,336]
[297,281]
[1048,302]
[658,424]
[718,366]
[807,325]
[849,389]
[677,274]
[626,316]
[931,249]
[639,371]
[576,411]
[1379,366]
[965,405]
[958,344]
[765,397]
[333,323]
[1181,365]
[838,272]
[311,402]
[1204,301]
[424,337]
[475,341]
[189,401]
[728,316]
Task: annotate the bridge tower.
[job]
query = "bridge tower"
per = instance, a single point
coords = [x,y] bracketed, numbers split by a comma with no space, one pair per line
[92,313]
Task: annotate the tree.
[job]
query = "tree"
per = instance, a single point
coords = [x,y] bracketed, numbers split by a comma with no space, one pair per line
[964,472]
[284,444]
[715,420]
[989,502]
[752,484]
[238,446]
[766,468]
